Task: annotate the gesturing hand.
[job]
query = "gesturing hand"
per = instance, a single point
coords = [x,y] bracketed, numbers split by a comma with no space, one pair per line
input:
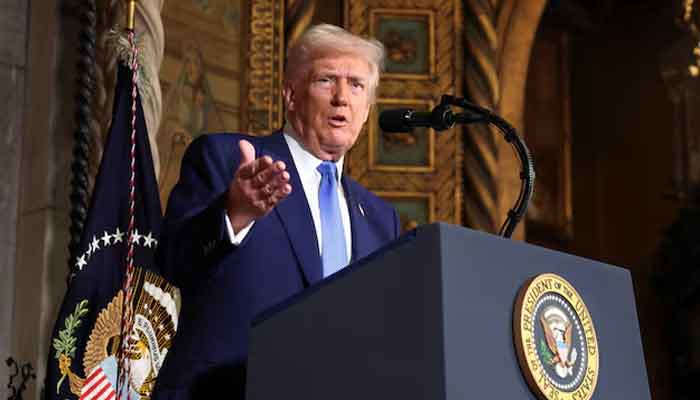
[258,185]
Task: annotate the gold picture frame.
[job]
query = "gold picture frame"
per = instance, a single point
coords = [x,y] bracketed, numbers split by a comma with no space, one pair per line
[409,205]
[422,160]
[409,40]
[439,178]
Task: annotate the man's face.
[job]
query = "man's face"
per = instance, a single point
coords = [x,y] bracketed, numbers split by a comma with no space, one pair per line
[328,107]
[193,67]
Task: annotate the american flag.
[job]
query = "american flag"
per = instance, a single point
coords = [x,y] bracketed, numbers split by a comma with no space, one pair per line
[97,386]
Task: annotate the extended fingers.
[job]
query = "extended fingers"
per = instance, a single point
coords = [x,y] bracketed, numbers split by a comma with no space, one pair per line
[268,175]
[251,169]
[260,184]
[269,197]
[278,194]
[276,185]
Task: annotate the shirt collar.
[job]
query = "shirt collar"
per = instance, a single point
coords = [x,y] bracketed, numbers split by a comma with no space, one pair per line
[306,162]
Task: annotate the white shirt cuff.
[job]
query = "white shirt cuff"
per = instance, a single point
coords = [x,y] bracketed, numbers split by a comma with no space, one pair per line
[236,239]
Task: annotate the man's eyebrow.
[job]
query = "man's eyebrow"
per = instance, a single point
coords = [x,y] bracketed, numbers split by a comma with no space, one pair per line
[326,72]
[335,74]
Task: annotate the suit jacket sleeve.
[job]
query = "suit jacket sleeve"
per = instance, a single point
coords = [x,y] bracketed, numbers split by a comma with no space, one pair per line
[194,237]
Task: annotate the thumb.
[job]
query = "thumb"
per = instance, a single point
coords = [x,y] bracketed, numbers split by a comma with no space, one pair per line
[247,152]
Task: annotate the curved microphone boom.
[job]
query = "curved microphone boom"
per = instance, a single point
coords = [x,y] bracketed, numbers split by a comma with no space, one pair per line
[442,117]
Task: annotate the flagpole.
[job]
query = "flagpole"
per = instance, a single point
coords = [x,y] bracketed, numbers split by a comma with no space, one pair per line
[127,308]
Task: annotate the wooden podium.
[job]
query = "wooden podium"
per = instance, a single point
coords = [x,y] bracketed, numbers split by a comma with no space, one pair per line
[431,317]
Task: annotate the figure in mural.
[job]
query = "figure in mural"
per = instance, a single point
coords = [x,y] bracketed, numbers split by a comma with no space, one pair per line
[189,111]
[228,10]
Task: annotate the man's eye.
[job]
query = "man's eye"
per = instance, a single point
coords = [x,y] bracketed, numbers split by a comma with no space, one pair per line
[358,85]
[324,79]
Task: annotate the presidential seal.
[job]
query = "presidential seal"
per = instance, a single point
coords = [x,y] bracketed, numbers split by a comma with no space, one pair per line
[155,324]
[555,339]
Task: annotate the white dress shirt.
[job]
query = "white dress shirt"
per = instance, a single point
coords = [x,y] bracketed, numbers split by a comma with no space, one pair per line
[306,164]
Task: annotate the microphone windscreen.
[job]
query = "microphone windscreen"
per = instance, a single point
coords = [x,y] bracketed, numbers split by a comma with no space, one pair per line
[395,120]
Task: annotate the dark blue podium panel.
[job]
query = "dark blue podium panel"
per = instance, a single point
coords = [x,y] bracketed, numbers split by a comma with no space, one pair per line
[430,317]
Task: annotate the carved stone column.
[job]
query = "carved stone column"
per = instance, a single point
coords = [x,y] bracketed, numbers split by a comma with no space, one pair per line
[498,39]
[482,86]
[298,18]
[149,28]
[518,37]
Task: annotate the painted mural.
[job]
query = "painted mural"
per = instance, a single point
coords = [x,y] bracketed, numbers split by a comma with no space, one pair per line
[201,77]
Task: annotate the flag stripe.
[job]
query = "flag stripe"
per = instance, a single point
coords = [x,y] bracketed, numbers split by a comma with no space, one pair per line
[94,374]
[104,387]
[95,389]
[95,382]
[107,394]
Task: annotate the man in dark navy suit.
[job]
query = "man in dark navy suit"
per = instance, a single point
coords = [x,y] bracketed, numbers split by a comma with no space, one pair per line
[255,220]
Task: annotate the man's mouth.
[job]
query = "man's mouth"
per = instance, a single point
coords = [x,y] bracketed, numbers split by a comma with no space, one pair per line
[337,121]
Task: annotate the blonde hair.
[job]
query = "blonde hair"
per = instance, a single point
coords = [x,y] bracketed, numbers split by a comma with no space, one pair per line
[325,39]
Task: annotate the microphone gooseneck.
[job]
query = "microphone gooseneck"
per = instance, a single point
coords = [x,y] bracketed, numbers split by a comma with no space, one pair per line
[442,118]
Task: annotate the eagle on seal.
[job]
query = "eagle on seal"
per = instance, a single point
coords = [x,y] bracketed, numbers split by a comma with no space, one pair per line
[558,332]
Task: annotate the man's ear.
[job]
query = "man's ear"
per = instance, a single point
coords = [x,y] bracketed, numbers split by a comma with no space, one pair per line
[288,97]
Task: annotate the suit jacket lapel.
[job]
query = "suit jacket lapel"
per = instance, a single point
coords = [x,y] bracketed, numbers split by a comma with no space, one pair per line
[295,214]
[358,221]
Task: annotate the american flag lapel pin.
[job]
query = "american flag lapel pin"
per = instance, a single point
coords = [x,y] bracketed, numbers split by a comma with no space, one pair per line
[362,210]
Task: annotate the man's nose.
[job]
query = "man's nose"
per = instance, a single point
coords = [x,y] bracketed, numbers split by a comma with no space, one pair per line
[340,97]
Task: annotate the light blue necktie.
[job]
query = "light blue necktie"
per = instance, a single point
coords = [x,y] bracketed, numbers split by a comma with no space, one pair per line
[333,252]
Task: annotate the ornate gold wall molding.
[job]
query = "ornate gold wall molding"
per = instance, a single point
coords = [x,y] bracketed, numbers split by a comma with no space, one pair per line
[443,74]
[272,29]
[266,51]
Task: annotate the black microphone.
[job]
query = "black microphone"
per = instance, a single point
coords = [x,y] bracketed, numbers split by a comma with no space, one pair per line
[442,118]
[405,119]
